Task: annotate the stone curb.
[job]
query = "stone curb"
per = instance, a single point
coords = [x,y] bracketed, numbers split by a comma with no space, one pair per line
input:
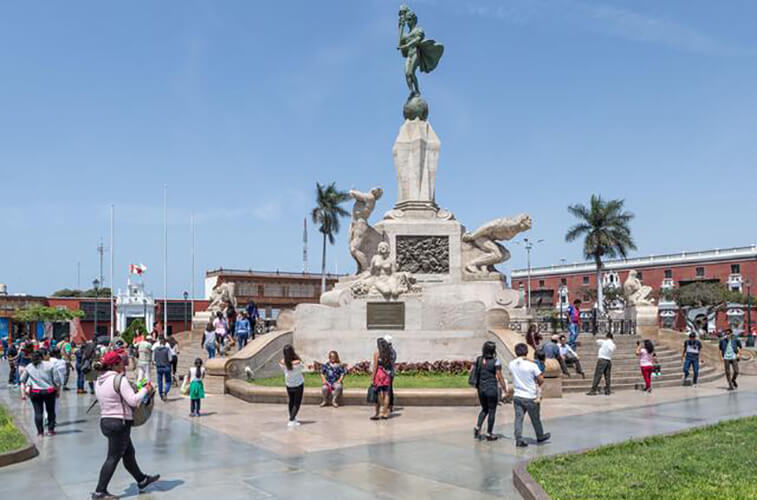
[354,397]
[22,454]
[527,485]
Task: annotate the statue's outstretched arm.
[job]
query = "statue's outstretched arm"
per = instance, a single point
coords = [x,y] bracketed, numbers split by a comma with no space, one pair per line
[360,196]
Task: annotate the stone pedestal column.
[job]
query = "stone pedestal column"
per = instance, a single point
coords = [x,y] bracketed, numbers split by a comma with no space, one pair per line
[646,317]
[416,155]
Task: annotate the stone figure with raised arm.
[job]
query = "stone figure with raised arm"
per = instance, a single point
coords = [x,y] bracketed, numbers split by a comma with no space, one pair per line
[222,295]
[636,294]
[359,227]
[485,238]
[417,51]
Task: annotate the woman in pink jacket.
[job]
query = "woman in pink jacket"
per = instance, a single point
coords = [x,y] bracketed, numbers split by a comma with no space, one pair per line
[116,421]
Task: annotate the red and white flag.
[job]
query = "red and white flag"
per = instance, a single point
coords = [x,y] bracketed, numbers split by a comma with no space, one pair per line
[137,269]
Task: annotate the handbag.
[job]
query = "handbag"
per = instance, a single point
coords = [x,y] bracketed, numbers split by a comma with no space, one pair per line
[372,395]
[184,389]
[143,411]
[475,373]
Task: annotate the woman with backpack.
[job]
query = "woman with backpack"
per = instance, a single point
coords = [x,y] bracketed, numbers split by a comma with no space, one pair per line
[486,376]
[117,400]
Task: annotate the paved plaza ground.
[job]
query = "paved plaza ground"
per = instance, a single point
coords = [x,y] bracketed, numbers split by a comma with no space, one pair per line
[241,450]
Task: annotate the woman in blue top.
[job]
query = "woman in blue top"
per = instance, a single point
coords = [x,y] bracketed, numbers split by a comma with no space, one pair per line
[242,330]
[332,375]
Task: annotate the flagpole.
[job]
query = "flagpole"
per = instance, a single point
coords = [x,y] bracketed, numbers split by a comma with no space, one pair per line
[192,231]
[112,252]
[165,259]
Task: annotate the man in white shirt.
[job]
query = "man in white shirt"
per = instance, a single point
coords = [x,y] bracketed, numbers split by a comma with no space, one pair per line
[604,365]
[526,378]
[569,356]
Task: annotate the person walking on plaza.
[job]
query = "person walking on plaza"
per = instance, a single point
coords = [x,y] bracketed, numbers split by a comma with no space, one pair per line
[487,372]
[332,378]
[196,387]
[242,330]
[252,315]
[85,360]
[392,371]
[209,340]
[604,365]
[381,380]
[570,356]
[552,351]
[647,360]
[690,357]
[162,357]
[231,320]
[144,360]
[44,386]
[526,379]
[116,419]
[574,323]
[12,365]
[730,353]
[221,329]
[533,337]
[294,381]
[174,345]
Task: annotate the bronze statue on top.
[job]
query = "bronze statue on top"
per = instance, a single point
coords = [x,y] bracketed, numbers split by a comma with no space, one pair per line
[418,52]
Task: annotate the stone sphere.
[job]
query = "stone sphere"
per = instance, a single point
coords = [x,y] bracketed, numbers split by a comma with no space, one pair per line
[415,107]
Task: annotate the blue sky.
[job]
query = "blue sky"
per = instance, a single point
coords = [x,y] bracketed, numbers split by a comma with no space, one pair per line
[241,106]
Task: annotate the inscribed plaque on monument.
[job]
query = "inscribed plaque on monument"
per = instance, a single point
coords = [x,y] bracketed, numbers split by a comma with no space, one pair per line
[385,316]
[423,254]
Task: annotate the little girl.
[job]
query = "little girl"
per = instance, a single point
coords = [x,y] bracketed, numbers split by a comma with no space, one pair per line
[196,387]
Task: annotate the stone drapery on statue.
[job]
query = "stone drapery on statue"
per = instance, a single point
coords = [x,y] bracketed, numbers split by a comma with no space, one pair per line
[222,295]
[635,293]
[481,250]
[383,278]
[363,237]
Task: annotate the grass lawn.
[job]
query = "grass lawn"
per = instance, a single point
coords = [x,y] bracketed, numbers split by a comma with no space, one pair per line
[424,381]
[10,437]
[713,462]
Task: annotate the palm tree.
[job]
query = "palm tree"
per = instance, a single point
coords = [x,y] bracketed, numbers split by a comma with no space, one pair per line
[604,226]
[327,213]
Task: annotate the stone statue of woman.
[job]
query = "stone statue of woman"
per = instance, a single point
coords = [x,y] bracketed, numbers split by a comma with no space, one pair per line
[417,51]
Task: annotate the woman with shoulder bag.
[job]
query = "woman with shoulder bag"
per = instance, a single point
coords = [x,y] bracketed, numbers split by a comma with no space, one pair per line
[488,374]
[382,364]
[44,386]
[116,420]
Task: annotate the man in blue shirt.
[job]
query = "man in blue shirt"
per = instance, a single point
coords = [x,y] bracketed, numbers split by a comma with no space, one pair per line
[574,320]
[730,348]
[552,351]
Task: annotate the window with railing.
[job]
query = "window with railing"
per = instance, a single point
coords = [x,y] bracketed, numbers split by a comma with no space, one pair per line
[700,272]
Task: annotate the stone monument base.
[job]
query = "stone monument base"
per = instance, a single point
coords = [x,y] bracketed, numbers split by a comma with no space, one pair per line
[646,317]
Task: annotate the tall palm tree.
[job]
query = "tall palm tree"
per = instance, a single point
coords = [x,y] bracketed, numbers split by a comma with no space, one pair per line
[604,227]
[326,214]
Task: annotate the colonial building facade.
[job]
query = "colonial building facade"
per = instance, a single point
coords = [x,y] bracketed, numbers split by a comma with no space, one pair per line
[557,286]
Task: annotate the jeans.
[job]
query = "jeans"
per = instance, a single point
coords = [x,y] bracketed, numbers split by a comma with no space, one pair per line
[194,406]
[488,399]
[533,408]
[119,447]
[164,379]
[81,377]
[295,400]
[211,351]
[242,341]
[573,335]
[646,372]
[143,371]
[40,399]
[729,365]
[694,363]
[335,390]
[604,367]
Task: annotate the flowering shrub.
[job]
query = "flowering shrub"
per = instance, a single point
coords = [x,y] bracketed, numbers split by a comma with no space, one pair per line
[425,367]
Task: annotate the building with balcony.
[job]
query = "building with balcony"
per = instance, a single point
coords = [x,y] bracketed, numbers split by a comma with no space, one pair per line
[734,267]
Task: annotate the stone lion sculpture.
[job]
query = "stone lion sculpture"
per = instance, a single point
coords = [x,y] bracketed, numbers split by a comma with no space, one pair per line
[382,277]
[484,240]
[636,294]
[222,295]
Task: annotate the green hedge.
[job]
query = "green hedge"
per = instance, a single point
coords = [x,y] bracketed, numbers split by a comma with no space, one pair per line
[10,437]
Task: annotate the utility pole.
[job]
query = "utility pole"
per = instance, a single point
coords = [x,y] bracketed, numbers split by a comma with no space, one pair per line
[112,251]
[100,251]
[192,231]
[305,245]
[165,259]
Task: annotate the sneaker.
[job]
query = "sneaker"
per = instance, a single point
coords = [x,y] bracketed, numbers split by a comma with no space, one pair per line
[147,481]
[545,437]
[592,393]
[491,437]
[335,404]
[323,404]
[735,384]
[731,389]
[103,496]
[291,423]
[476,433]
[50,433]
[520,444]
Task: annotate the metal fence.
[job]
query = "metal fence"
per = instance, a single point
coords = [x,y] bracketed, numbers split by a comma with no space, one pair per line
[596,327]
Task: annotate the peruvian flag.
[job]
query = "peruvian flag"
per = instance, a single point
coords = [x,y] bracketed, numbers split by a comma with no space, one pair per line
[137,269]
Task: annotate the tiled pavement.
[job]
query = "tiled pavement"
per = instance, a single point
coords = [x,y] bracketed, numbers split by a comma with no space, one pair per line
[245,451]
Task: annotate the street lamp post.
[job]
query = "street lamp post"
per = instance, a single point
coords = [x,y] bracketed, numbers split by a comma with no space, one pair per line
[750,337]
[528,245]
[561,293]
[186,296]
[144,313]
[96,286]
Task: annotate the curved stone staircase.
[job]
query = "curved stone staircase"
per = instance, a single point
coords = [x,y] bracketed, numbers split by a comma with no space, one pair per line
[625,366]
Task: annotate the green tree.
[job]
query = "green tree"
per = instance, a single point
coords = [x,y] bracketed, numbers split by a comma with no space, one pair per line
[706,294]
[44,313]
[326,214]
[68,292]
[135,329]
[604,225]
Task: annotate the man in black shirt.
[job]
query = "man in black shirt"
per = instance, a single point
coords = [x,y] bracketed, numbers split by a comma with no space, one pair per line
[690,357]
